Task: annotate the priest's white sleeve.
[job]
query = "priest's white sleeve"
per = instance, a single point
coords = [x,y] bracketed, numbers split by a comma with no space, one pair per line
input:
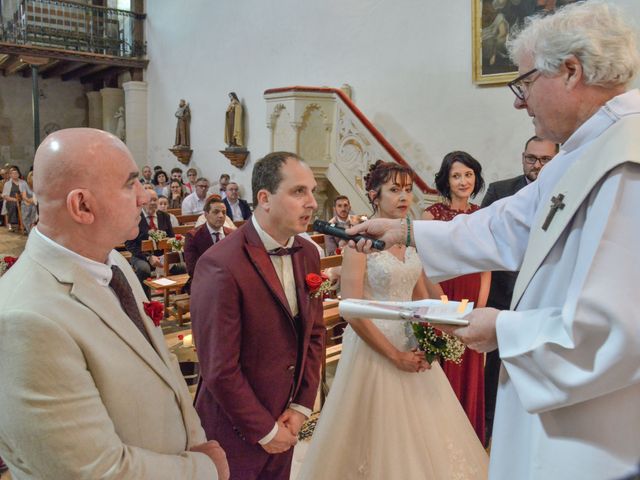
[492,238]
[589,344]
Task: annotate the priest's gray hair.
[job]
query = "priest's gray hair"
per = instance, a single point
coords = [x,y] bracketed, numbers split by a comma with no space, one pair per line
[594,31]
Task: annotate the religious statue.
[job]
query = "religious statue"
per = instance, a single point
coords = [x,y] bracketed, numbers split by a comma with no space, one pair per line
[233,131]
[120,126]
[183,137]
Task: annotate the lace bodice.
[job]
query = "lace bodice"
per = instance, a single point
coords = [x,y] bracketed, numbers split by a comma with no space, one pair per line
[388,278]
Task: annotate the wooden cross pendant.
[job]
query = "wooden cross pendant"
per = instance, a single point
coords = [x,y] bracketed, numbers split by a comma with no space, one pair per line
[556,204]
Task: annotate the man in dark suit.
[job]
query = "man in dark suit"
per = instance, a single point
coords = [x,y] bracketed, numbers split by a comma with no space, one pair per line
[150,219]
[537,152]
[258,327]
[237,208]
[198,240]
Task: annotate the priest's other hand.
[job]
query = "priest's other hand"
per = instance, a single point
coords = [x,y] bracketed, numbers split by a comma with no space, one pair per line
[390,231]
[293,420]
[215,452]
[480,334]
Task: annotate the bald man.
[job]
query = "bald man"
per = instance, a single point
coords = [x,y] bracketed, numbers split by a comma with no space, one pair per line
[89,389]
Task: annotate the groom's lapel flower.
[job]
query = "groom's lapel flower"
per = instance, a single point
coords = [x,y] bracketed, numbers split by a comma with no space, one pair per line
[318,284]
[155,311]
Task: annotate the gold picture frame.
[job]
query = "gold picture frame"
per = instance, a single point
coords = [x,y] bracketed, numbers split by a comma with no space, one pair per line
[492,22]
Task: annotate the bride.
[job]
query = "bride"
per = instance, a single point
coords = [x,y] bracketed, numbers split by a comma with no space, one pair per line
[389,414]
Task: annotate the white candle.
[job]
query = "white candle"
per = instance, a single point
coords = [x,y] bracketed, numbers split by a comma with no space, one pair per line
[187,341]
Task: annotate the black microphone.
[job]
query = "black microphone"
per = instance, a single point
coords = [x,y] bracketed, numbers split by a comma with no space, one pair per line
[330,229]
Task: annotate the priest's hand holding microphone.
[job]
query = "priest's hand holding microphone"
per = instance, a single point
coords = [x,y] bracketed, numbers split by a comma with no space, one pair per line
[480,334]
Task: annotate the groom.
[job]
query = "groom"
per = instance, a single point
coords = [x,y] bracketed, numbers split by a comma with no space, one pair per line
[258,329]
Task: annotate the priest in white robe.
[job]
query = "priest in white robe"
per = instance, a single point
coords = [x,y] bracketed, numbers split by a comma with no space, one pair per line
[569,396]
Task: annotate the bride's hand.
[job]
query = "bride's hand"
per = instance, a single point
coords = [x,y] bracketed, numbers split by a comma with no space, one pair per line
[412,361]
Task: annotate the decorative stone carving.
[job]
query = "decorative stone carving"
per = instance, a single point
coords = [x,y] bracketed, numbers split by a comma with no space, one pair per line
[181,149]
[235,152]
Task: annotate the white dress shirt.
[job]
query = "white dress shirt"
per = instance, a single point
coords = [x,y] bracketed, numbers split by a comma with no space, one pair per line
[192,204]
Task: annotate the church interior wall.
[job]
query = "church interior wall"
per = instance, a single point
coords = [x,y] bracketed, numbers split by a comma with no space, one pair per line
[62,105]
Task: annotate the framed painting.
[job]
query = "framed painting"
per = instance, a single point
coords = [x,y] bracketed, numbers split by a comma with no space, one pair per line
[493,21]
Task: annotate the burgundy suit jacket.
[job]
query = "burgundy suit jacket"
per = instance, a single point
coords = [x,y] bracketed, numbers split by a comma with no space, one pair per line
[196,242]
[254,359]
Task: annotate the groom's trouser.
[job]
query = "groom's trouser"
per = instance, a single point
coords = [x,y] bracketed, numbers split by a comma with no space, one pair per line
[275,467]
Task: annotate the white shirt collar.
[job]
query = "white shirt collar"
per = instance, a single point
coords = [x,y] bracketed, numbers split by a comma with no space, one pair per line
[101,272]
[212,231]
[267,240]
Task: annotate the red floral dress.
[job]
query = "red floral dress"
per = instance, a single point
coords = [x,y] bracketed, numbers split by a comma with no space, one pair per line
[467,379]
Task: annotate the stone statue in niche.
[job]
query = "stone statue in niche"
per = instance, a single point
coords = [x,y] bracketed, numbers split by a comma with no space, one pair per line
[183,114]
[182,148]
[234,133]
[120,126]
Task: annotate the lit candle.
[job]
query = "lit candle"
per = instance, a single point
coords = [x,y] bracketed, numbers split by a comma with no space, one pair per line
[187,341]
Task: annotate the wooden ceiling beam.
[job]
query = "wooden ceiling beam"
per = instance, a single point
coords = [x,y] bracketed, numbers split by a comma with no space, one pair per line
[84,71]
[62,68]
[14,66]
[101,76]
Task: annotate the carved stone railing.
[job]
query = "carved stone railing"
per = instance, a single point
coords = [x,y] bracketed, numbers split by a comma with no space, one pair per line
[328,130]
[74,26]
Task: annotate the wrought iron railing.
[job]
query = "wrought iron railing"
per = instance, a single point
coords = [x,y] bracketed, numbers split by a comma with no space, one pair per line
[74,26]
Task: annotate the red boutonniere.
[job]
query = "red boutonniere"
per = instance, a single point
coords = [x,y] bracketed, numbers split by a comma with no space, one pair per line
[318,284]
[155,311]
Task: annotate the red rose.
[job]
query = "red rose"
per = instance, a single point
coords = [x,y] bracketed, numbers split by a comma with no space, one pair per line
[314,281]
[155,311]
[9,261]
[338,251]
[179,237]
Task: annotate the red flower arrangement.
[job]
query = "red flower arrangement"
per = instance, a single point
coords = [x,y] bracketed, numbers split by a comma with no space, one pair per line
[155,311]
[319,284]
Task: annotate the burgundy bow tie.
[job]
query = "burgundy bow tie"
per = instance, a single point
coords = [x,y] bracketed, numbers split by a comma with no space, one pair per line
[281,251]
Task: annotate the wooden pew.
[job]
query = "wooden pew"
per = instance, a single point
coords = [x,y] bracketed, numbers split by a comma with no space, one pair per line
[330,262]
[188,219]
[182,229]
[175,211]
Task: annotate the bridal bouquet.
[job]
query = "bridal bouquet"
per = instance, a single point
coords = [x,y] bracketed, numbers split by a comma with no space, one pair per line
[435,343]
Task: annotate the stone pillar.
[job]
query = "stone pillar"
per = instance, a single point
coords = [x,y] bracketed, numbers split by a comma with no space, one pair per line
[112,99]
[135,99]
[94,100]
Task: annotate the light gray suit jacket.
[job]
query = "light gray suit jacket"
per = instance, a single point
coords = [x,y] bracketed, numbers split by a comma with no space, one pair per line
[83,394]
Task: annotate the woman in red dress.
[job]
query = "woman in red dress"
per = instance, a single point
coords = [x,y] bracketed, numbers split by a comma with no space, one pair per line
[460,178]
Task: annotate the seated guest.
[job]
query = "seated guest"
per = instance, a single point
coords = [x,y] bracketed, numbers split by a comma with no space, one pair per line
[198,240]
[194,202]
[237,208]
[163,206]
[341,208]
[228,223]
[175,194]
[176,174]
[160,181]
[146,177]
[190,184]
[150,219]
[222,186]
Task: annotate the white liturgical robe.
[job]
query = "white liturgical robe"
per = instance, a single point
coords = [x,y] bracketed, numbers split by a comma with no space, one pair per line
[569,396]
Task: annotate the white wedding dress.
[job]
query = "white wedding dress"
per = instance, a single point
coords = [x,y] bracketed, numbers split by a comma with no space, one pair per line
[381,423]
